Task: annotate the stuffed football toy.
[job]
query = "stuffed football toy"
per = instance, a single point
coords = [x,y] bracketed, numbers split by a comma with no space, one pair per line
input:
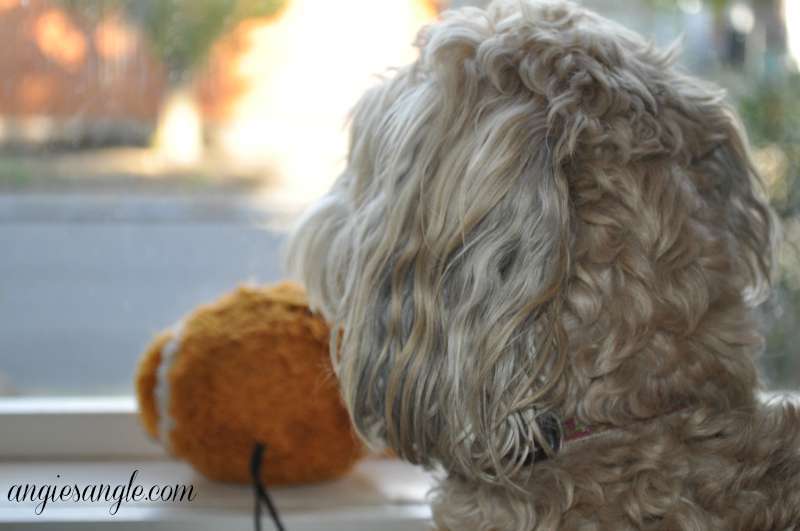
[250,370]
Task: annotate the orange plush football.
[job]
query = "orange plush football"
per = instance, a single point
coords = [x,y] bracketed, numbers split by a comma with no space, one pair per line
[250,368]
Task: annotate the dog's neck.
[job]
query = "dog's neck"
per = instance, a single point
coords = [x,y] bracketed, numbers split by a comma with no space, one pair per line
[572,431]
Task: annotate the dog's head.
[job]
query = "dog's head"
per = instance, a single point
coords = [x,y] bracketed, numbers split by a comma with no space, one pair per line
[541,213]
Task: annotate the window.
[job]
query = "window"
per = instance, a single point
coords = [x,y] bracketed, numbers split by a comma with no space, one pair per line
[153,152]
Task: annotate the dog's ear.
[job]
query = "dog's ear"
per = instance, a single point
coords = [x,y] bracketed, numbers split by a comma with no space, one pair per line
[442,254]
[453,272]
[444,249]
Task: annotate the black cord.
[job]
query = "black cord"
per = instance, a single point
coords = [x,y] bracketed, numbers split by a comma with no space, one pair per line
[261,494]
[257,512]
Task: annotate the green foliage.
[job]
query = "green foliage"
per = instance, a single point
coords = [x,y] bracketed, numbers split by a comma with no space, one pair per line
[716,5]
[771,112]
[181,32]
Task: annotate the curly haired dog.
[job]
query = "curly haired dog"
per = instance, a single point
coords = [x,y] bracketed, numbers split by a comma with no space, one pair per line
[545,255]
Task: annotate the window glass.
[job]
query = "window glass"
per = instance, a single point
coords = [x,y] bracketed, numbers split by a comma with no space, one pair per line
[153,153]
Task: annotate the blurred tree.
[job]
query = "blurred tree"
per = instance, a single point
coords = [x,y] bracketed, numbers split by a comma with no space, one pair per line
[181,32]
[771,111]
[735,21]
[717,5]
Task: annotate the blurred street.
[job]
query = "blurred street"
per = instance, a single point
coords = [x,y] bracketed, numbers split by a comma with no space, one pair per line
[87,280]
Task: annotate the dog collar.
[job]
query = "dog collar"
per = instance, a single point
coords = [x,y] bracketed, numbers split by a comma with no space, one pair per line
[575,429]
[558,432]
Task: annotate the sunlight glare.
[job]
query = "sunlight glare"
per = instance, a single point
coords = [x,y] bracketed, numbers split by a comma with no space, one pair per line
[300,88]
[179,138]
[792,13]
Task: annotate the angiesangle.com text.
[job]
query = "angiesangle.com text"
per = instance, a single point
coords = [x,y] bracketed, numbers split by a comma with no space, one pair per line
[43,494]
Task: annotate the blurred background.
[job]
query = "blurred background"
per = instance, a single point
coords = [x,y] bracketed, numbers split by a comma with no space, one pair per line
[154,152]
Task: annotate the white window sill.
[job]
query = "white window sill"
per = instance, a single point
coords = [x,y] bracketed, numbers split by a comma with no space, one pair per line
[99,441]
[92,441]
[56,427]
[100,427]
[380,494]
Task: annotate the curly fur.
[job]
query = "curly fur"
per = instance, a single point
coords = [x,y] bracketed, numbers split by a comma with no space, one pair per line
[543,213]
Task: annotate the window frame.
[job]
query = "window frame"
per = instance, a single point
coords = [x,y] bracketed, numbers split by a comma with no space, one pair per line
[73,427]
[34,428]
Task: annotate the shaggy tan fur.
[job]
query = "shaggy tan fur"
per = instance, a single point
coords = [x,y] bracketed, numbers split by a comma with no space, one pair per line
[544,214]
